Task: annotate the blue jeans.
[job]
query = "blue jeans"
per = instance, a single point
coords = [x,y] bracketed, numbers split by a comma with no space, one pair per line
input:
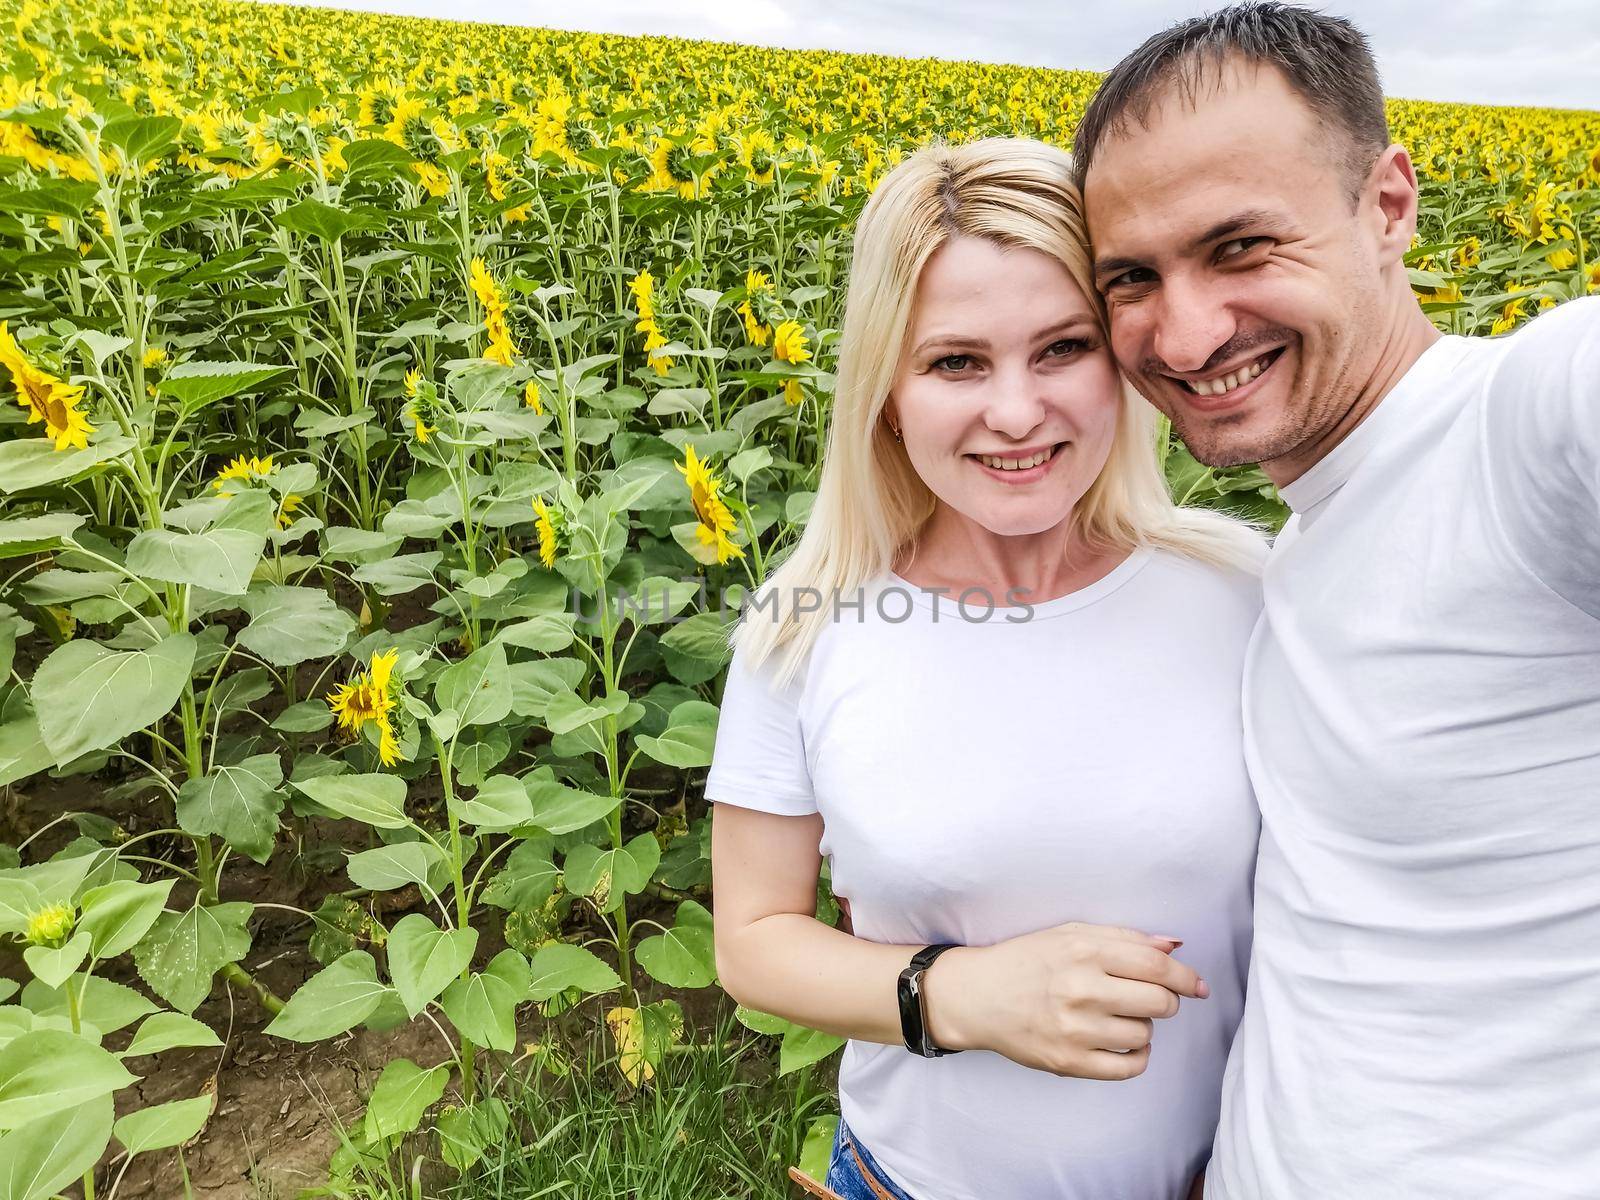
[845,1170]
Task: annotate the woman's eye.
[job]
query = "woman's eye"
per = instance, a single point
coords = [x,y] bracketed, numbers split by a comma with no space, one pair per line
[1066,346]
[953,362]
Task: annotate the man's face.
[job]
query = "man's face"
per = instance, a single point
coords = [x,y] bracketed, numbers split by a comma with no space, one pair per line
[1245,295]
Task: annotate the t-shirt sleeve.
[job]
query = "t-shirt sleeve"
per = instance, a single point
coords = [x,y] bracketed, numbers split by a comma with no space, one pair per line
[1543,438]
[759,760]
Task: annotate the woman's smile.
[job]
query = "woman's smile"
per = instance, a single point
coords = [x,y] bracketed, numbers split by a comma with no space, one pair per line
[1018,467]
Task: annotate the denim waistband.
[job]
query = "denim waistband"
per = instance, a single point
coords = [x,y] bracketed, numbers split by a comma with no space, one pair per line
[854,1172]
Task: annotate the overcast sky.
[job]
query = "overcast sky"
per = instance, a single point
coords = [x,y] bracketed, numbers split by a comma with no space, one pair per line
[1489,51]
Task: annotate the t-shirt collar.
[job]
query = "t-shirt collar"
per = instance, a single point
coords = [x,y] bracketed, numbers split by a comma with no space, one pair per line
[1330,473]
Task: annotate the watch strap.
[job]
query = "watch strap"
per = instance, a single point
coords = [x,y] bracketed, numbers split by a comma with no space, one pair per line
[913,1012]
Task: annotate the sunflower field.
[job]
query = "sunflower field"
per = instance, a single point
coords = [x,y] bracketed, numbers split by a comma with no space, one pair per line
[392,416]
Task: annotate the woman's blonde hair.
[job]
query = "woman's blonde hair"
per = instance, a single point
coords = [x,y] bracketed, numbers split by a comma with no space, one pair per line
[870,502]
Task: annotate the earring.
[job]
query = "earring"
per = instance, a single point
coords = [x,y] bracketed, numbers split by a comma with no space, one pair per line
[897,436]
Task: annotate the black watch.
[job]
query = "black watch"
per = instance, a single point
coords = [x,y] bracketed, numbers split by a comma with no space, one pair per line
[913,1023]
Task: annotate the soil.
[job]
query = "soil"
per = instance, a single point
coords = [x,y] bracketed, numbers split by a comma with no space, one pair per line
[278,1103]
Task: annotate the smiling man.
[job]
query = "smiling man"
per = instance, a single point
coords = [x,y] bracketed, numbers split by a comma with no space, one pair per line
[1422,695]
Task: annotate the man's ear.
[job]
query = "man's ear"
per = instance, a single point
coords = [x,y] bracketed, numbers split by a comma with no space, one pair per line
[1389,201]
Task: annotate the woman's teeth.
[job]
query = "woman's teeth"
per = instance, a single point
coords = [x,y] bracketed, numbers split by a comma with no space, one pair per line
[1014,464]
[1224,384]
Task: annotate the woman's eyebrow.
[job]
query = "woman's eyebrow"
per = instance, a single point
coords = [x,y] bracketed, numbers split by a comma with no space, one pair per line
[961,341]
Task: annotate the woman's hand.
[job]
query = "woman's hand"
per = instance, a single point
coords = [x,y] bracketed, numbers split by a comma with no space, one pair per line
[1078,1000]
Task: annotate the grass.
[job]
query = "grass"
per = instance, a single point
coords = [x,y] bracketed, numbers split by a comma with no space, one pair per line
[716,1123]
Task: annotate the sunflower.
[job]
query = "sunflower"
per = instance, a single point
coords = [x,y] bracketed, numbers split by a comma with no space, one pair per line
[549,535]
[47,398]
[789,343]
[758,290]
[368,698]
[715,522]
[242,468]
[643,286]
[530,396]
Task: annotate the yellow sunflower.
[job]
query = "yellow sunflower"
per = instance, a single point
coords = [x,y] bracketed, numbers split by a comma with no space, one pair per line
[47,398]
[549,535]
[368,698]
[705,494]
[789,343]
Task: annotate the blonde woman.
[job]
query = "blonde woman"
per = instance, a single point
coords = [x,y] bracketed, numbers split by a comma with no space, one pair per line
[996,684]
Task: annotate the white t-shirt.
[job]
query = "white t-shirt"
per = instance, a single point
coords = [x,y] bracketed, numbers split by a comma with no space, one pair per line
[984,779]
[1422,719]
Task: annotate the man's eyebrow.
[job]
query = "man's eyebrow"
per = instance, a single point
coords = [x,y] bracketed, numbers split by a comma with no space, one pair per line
[1255,218]
[957,341]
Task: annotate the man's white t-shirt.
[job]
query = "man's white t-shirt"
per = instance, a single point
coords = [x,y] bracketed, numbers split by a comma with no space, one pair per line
[1422,723]
[979,780]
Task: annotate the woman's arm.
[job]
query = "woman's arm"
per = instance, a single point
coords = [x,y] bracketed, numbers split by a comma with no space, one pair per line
[1074,1000]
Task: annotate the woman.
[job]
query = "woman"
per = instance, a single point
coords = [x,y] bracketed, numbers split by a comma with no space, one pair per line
[1012,725]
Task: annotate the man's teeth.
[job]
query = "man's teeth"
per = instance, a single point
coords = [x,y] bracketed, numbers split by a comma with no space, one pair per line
[1015,464]
[1224,384]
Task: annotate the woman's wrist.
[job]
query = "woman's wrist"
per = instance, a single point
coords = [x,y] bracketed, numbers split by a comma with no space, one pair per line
[944,997]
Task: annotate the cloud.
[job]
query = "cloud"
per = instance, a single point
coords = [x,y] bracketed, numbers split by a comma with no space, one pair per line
[1486,51]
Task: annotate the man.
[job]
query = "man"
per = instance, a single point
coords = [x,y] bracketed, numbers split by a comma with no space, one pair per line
[1422,696]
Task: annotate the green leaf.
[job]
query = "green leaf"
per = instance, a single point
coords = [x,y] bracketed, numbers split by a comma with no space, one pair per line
[423,958]
[118,914]
[46,1155]
[195,384]
[817,1150]
[478,688]
[528,879]
[533,683]
[220,560]
[560,809]
[483,1007]
[27,463]
[184,951]
[688,739]
[239,804]
[685,955]
[385,868]
[169,1031]
[760,1022]
[802,1047]
[87,697]
[308,716]
[29,535]
[104,1004]
[464,1133]
[501,803]
[335,999]
[52,967]
[320,220]
[48,1071]
[608,877]
[747,462]
[558,966]
[376,799]
[696,649]
[22,750]
[140,138]
[291,625]
[162,1126]
[375,156]
[400,574]
[404,1092]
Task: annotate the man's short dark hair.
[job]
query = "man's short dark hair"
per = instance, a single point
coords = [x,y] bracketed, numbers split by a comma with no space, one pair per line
[1325,59]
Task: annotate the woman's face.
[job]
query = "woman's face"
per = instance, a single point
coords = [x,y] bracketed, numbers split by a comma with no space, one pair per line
[1006,365]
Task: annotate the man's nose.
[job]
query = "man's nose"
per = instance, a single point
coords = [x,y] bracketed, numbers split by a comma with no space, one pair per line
[1192,322]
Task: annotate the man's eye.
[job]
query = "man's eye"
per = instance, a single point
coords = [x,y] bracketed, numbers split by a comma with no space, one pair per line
[1131,278]
[1237,246]
[953,362]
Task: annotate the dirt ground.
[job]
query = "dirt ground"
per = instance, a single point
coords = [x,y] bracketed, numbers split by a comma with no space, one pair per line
[278,1103]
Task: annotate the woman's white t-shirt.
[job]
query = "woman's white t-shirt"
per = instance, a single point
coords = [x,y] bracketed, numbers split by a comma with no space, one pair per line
[982,779]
